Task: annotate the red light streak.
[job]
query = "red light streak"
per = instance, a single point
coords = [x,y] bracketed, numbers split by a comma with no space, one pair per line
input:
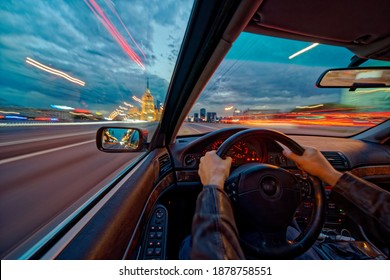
[346,119]
[54,71]
[124,26]
[99,13]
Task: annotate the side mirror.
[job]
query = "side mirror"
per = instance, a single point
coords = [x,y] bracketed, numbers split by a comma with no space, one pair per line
[365,77]
[121,139]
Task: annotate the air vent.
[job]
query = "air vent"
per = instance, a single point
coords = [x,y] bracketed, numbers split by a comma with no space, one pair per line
[337,160]
[165,164]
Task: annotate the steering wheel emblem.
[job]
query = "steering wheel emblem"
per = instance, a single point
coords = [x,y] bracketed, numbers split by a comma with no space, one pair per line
[269,185]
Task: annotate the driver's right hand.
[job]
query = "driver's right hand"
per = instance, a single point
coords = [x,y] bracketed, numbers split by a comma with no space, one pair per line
[314,163]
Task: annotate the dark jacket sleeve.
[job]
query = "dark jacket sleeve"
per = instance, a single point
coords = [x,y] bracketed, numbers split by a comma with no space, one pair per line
[366,204]
[214,232]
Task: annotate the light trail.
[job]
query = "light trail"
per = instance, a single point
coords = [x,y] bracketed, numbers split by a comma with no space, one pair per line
[371,91]
[309,107]
[9,112]
[137,99]
[53,71]
[62,107]
[303,50]
[82,114]
[100,15]
[124,26]
[14,124]
[128,104]
[335,119]
[228,108]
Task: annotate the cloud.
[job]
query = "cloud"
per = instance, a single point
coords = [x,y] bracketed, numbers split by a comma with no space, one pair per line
[254,85]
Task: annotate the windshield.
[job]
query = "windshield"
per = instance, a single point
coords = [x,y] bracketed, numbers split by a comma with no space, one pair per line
[270,82]
[68,68]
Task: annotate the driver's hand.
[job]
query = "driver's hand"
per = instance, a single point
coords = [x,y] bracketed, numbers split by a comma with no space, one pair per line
[213,170]
[314,163]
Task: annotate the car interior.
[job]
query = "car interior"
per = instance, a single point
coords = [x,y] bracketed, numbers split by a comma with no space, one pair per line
[146,213]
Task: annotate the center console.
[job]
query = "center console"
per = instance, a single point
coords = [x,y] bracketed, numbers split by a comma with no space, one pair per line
[337,241]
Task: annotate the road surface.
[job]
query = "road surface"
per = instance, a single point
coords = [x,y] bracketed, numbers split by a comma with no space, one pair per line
[47,172]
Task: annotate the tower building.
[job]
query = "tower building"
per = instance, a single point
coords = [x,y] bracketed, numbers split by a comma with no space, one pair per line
[147,109]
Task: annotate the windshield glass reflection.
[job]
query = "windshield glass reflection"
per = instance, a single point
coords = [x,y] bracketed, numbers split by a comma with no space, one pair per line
[270,82]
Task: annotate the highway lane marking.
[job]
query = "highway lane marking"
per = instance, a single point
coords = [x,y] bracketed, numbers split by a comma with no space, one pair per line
[216,126]
[8,160]
[12,124]
[190,127]
[44,138]
[197,130]
[61,136]
[202,125]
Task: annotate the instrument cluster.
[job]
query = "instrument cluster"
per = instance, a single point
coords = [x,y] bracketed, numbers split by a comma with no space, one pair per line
[241,152]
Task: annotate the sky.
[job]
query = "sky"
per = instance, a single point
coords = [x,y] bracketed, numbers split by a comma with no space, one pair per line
[73,37]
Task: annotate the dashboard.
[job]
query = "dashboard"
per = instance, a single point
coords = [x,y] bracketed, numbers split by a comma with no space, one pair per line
[241,152]
[247,150]
[364,159]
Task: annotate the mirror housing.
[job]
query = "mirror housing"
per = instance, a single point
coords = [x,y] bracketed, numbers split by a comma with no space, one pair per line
[121,139]
[362,77]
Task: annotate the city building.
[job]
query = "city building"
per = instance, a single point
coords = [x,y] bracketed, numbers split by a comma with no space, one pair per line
[211,116]
[26,113]
[134,114]
[149,111]
[203,114]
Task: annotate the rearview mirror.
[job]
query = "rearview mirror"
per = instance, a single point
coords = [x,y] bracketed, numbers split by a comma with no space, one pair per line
[368,77]
[120,139]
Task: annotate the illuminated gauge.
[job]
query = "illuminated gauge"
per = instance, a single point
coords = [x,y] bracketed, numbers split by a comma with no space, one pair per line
[243,152]
[252,156]
[190,160]
[239,150]
[215,145]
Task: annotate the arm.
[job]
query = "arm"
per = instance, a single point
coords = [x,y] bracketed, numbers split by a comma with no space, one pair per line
[214,232]
[366,203]
[314,163]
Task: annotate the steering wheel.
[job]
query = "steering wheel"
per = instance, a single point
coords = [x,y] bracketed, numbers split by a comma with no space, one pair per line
[265,198]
